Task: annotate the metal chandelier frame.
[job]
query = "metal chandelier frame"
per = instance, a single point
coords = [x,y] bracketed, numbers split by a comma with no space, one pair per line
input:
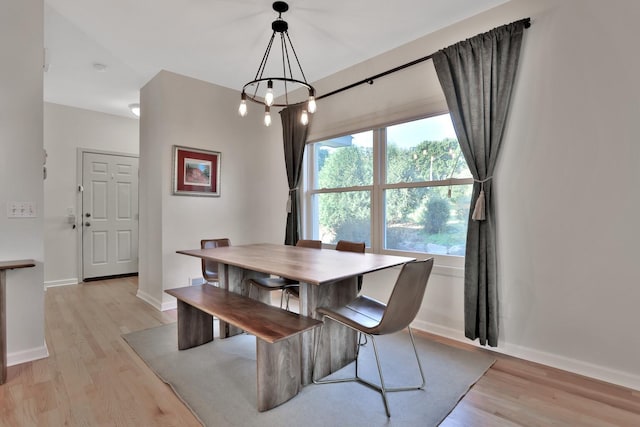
[250,90]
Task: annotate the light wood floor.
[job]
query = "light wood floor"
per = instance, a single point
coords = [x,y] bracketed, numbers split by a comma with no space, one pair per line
[93,378]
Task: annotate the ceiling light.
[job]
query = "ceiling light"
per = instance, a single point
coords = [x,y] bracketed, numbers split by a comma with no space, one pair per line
[285,83]
[135,109]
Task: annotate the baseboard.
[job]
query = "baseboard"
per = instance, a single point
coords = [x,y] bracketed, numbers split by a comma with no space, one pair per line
[24,356]
[61,282]
[158,305]
[169,305]
[149,300]
[602,373]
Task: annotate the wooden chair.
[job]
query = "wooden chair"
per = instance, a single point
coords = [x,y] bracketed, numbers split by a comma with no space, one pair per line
[210,268]
[342,245]
[346,245]
[282,283]
[368,316]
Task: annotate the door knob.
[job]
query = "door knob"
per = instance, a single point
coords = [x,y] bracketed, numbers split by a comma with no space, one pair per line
[87,214]
[87,224]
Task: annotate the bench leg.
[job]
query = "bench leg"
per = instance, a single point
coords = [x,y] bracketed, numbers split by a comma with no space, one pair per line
[195,327]
[278,368]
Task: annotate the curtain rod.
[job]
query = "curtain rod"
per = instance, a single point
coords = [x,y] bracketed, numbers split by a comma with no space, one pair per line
[527,24]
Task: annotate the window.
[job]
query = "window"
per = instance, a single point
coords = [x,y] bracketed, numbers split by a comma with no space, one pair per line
[403,188]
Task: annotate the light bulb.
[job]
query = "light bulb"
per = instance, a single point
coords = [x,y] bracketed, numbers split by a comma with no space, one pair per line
[304,118]
[135,109]
[267,116]
[242,110]
[268,97]
[312,104]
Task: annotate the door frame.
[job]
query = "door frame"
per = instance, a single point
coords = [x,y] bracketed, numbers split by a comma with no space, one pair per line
[79,175]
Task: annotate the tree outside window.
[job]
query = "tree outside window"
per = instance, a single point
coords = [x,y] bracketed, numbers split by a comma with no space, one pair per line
[424,188]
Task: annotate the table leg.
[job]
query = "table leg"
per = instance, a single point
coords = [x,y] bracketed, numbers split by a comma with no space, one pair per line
[338,345]
[235,279]
[3,327]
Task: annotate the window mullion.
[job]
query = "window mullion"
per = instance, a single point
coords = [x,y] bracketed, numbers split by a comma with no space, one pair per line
[377,197]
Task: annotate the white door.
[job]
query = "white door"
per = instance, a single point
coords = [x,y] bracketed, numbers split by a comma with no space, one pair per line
[109,220]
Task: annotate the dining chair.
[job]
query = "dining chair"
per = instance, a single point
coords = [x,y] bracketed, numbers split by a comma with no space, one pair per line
[282,283]
[348,246]
[210,268]
[368,316]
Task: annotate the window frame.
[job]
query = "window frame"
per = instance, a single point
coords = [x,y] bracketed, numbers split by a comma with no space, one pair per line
[310,221]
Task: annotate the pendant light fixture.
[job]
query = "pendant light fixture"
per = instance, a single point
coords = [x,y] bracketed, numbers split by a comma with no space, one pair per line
[262,89]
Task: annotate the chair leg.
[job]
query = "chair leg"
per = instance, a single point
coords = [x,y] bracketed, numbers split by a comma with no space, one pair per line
[362,339]
[415,351]
[317,342]
[382,389]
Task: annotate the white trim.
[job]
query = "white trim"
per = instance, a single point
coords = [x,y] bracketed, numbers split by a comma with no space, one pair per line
[61,282]
[149,300]
[24,356]
[598,372]
[158,305]
[448,271]
[169,305]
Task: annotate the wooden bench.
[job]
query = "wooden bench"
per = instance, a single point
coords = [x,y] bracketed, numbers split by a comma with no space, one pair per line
[277,332]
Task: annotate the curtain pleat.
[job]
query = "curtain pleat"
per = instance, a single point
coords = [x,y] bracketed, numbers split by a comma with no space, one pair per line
[294,136]
[477,77]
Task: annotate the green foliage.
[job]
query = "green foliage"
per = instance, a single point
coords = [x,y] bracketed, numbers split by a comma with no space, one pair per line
[436,215]
[415,217]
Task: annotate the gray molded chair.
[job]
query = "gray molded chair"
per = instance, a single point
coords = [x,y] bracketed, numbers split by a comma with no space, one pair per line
[210,268]
[282,283]
[371,317]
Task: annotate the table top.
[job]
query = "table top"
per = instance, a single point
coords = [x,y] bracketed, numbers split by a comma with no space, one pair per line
[22,263]
[314,266]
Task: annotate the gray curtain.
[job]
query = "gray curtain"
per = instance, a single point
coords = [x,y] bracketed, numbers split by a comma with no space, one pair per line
[294,136]
[477,77]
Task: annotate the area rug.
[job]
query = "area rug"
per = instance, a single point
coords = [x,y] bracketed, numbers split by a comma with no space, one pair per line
[217,381]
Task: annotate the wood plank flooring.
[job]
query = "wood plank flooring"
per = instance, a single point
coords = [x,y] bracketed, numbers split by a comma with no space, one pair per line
[93,378]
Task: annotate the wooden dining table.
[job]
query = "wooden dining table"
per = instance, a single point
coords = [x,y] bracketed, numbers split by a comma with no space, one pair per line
[327,278]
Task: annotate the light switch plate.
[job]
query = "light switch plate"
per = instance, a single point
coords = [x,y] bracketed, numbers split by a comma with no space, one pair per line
[21,210]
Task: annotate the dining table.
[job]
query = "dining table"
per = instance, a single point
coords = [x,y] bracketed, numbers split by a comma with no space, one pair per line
[326,277]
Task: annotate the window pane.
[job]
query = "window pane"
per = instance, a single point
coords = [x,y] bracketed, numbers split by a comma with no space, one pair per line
[424,150]
[427,220]
[346,161]
[344,216]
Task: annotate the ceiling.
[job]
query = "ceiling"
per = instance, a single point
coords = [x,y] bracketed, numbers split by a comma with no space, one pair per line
[218,41]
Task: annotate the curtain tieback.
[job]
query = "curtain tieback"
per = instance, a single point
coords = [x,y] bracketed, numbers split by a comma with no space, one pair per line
[479,209]
[291,190]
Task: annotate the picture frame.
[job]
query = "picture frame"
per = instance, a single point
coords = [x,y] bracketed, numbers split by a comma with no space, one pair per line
[196,172]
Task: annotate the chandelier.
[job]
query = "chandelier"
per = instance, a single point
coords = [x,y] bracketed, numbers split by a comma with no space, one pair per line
[255,89]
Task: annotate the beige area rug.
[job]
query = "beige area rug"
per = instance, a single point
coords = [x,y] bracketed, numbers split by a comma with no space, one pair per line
[217,381]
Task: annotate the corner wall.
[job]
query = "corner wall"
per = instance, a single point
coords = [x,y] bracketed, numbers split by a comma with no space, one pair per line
[177,110]
[21,174]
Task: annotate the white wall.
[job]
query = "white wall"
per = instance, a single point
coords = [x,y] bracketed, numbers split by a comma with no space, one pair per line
[21,177]
[65,130]
[566,183]
[178,110]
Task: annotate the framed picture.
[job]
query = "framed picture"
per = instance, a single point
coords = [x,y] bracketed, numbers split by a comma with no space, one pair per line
[196,172]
